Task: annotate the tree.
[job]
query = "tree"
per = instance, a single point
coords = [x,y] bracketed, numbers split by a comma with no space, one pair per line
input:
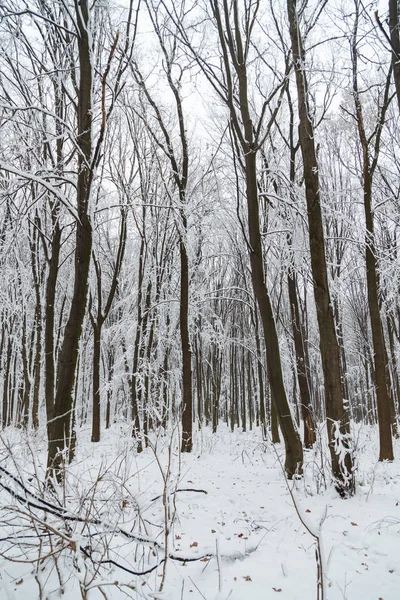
[231,83]
[99,314]
[337,415]
[179,161]
[369,163]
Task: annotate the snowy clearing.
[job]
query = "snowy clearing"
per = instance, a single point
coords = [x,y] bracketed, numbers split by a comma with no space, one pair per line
[234,510]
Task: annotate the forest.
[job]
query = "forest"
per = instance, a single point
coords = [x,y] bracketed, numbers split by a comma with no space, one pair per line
[200,289]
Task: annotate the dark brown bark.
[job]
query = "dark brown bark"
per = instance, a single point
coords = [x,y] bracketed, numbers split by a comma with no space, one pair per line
[49,344]
[274,422]
[97,320]
[59,429]
[179,172]
[110,370]
[382,396]
[263,417]
[243,391]
[37,331]
[234,56]
[371,263]
[96,383]
[136,427]
[294,451]
[394,374]
[7,413]
[337,416]
[25,390]
[297,326]
[395,44]
[301,365]
[187,403]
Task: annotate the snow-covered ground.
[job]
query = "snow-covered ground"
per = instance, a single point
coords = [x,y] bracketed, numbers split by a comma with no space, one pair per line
[237,516]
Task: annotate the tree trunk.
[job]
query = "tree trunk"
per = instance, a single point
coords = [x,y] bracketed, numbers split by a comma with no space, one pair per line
[187,418]
[96,382]
[294,450]
[395,44]
[305,401]
[59,429]
[336,412]
[371,263]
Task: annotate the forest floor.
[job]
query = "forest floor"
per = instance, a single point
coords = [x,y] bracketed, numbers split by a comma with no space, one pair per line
[234,512]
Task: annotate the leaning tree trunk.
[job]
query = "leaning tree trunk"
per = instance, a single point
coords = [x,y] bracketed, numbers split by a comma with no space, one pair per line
[234,46]
[294,450]
[337,415]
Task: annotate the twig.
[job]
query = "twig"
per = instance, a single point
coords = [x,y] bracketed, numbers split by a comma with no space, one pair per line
[176,491]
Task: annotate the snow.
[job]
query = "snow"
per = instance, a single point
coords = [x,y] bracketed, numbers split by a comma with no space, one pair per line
[244,529]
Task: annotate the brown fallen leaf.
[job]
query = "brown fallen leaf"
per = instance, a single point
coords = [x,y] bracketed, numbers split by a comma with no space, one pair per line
[22,581]
[308,510]
[212,530]
[247,578]
[354,524]
[194,545]
[279,589]
[205,559]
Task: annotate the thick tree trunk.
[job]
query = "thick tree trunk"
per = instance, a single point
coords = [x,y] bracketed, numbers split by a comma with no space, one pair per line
[337,416]
[59,428]
[234,45]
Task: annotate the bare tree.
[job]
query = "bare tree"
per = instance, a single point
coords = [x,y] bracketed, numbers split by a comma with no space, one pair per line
[178,156]
[99,314]
[370,147]
[337,415]
[231,83]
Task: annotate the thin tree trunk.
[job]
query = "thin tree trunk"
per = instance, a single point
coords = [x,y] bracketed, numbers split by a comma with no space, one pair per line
[378,340]
[395,44]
